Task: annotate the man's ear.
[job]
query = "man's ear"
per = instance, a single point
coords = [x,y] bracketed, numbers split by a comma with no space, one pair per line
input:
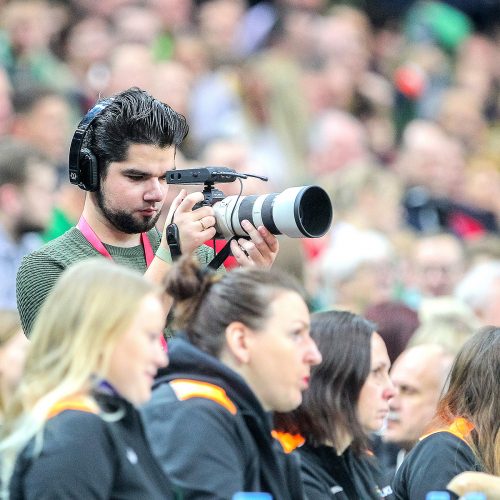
[237,336]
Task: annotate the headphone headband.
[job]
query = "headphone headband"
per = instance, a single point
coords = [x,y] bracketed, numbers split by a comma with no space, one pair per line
[82,162]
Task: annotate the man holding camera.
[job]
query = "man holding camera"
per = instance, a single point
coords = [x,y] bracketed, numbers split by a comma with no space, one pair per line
[120,154]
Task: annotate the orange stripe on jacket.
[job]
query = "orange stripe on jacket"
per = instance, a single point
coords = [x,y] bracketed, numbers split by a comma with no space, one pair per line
[79,403]
[288,441]
[460,427]
[187,389]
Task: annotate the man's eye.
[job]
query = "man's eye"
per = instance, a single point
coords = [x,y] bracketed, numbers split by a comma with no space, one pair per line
[407,390]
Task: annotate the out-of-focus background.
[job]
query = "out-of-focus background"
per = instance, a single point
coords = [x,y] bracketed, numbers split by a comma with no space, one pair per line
[392,106]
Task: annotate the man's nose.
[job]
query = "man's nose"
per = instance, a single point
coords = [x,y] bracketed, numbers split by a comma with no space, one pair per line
[394,401]
[155,191]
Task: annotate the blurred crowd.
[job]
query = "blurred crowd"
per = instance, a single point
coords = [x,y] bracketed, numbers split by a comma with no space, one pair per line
[392,107]
[393,110]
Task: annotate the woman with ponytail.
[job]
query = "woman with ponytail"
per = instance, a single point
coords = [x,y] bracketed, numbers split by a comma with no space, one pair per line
[242,349]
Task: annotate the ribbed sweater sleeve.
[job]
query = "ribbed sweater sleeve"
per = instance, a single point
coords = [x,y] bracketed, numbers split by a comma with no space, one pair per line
[40,270]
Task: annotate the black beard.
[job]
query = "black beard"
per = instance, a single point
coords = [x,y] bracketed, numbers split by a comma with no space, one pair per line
[123,221]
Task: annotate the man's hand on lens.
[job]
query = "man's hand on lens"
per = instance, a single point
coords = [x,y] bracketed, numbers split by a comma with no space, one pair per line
[261,250]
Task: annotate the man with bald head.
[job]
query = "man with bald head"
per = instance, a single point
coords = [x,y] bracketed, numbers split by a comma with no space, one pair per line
[419,375]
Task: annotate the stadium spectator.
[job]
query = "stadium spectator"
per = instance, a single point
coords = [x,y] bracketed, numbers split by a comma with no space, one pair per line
[419,375]
[437,263]
[348,399]
[72,427]
[27,187]
[464,435]
[42,117]
[243,350]
[480,290]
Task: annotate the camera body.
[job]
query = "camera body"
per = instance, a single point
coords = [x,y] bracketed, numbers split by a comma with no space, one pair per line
[211,197]
[304,211]
[207,176]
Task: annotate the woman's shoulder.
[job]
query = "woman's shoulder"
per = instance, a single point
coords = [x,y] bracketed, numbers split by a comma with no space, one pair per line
[76,433]
[75,418]
[315,467]
[178,412]
[329,475]
[182,396]
[432,463]
[72,428]
[443,448]
[311,460]
[80,408]
[69,431]
[441,444]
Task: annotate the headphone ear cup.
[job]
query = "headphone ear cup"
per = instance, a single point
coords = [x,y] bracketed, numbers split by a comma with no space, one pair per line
[89,173]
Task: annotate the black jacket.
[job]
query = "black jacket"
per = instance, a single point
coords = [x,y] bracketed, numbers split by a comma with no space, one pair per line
[86,457]
[432,464]
[209,448]
[341,477]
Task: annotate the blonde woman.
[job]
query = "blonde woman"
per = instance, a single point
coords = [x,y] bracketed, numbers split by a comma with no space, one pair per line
[13,346]
[72,430]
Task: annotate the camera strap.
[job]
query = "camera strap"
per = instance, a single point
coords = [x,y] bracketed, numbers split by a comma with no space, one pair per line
[93,239]
[173,240]
[224,253]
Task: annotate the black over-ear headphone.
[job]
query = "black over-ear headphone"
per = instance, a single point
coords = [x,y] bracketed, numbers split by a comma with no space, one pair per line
[83,167]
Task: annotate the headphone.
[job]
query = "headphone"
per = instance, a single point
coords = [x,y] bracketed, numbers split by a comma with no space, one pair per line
[83,165]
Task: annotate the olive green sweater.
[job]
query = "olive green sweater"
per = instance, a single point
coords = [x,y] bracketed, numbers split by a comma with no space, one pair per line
[40,269]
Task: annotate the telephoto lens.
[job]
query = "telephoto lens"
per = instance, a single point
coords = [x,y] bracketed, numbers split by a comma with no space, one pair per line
[297,212]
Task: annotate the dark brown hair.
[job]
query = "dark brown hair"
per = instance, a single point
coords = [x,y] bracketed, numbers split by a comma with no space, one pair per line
[395,322]
[474,394]
[206,302]
[329,406]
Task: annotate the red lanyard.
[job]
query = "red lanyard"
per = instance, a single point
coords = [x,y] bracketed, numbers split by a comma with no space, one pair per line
[92,238]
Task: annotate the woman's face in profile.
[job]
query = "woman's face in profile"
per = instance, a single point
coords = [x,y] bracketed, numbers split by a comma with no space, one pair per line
[280,355]
[139,353]
[373,402]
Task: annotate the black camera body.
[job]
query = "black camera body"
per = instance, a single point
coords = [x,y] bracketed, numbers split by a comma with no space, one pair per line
[211,197]
[304,211]
[207,176]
